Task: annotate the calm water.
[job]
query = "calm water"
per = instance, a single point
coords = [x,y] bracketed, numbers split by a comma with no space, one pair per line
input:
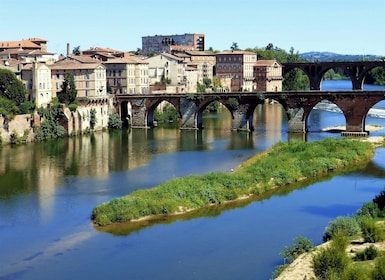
[48,190]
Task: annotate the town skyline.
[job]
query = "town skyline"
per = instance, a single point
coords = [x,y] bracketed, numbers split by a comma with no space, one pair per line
[345,27]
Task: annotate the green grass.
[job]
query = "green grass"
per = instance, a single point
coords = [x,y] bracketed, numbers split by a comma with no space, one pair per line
[284,164]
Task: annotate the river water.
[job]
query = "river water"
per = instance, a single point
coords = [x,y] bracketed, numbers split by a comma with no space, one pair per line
[48,190]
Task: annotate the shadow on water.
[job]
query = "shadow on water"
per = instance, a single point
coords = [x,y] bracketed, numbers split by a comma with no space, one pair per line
[120,229]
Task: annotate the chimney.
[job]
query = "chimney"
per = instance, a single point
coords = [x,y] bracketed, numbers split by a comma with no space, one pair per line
[68,49]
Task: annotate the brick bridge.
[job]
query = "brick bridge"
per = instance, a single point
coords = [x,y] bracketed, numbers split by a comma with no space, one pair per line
[316,70]
[139,109]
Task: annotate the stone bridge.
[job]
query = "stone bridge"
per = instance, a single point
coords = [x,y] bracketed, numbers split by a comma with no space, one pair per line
[138,110]
[316,70]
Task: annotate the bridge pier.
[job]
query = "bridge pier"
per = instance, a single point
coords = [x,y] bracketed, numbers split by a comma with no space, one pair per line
[188,110]
[296,123]
[241,119]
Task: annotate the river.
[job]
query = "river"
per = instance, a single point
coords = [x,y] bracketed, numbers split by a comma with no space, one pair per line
[48,190]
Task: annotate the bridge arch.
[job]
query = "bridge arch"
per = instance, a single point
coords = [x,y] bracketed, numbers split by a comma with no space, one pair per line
[326,105]
[356,70]
[152,107]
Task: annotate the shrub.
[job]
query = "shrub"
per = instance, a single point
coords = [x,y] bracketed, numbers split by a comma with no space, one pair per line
[369,209]
[370,253]
[356,273]
[346,225]
[379,269]
[114,121]
[301,245]
[371,232]
[72,107]
[332,262]
[380,200]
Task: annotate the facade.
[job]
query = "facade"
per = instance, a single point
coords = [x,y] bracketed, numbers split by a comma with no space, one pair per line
[268,75]
[90,78]
[238,66]
[167,43]
[38,82]
[25,44]
[202,61]
[127,75]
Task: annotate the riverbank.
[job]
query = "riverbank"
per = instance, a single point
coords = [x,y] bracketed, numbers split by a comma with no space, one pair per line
[301,267]
[284,164]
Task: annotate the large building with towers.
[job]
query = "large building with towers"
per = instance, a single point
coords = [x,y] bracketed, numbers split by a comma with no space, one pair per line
[168,43]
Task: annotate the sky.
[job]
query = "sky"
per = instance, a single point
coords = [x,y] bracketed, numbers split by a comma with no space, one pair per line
[339,26]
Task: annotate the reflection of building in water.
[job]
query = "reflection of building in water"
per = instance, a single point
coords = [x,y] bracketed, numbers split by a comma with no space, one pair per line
[48,177]
[273,119]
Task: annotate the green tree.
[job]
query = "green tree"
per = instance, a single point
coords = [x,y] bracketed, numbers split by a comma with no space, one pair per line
[76,50]
[11,87]
[93,119]
[234,46]
[8,109]
[68,93]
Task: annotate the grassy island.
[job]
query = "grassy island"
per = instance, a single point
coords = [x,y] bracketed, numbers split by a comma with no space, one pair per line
[284,164]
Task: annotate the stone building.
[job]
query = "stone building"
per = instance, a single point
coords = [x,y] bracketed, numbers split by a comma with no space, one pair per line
[268,75]
[238,66]
[168,43]
[127,75]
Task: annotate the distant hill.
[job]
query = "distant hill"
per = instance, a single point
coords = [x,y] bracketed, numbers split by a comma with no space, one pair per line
[329,56]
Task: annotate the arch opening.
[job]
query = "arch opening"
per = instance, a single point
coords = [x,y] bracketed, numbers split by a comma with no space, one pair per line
[215,114]
[326,116]
[164,114]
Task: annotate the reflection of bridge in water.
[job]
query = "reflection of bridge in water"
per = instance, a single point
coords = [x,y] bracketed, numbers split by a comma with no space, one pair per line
[138,110]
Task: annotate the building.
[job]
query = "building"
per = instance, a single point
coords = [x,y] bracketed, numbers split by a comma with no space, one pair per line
[202,61]
[169,70]
[38,82]
[90,78]
[127,75]
[30,44]
[103,54]
[238,67]
[168,43]
[268,75]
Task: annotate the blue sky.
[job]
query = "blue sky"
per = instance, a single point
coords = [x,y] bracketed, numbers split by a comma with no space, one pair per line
[340,26]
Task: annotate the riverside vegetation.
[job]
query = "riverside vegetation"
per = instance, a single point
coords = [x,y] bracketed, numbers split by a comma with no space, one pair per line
[354,248]
[284,164]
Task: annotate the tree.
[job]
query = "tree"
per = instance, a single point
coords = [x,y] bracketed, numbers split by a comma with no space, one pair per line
[76,50]
[11,87]
[234,46]
[8,109]
[68,93]
[93,119]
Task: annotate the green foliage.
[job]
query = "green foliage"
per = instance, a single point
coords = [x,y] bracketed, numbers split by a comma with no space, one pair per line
[50,127]
[8,108]
[380,200]
[347,225]
[114,121]
[291,161]
[300,245]
[371,231]
[379,269]
[68,92]
[356,273]
[168,114]
[201,87]
[369,253]
[26,107]
[11,87]
[369,209]
[213,106]
[331,262]
[232,103]
[93,119]
[72,107]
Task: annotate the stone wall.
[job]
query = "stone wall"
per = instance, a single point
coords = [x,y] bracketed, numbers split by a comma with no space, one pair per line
[20,126]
